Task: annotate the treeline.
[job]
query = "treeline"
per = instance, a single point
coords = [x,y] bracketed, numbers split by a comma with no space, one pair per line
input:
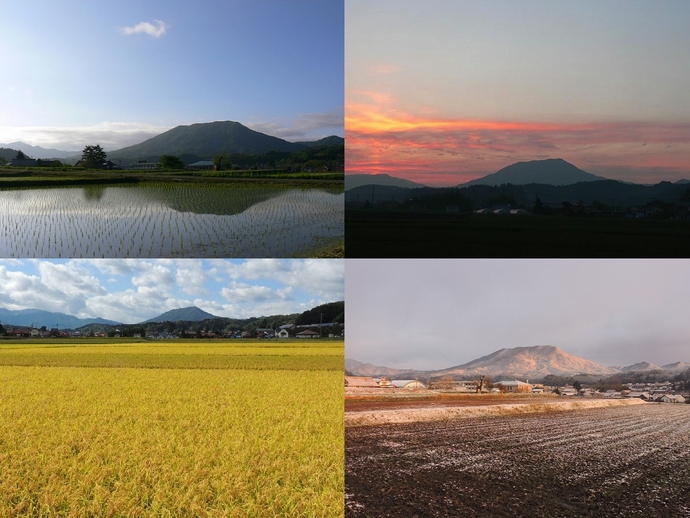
[319,158]
[326,313]
[335,311]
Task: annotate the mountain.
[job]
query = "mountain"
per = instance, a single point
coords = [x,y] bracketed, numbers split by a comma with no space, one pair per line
[39,152]
[39,318]
[213,138]
[553,171]
[367,369]
[676,367]
[528,362]
[517,362]
[191,314]
[641,367]
[353,181]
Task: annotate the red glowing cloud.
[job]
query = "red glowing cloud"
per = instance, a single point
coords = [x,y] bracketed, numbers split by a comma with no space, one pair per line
[435,150]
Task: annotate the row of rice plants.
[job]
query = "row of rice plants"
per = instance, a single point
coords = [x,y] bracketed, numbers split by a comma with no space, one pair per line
[170,441]
[137,222]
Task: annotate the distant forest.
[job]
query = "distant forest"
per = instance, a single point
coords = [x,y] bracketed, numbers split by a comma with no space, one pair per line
[335,311]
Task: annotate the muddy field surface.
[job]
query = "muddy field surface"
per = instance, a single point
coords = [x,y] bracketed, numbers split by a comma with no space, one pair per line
[620,461]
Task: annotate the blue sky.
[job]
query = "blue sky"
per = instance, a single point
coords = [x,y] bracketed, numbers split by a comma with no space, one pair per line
[76,71]
[443,92]
[134,290]
[422,314]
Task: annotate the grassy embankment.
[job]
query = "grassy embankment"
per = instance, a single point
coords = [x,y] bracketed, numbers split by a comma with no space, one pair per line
[46,177]
[231,428]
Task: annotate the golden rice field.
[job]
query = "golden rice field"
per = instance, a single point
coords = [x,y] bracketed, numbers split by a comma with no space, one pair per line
[130,429]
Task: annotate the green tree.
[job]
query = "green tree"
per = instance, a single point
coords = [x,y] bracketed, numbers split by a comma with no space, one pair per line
[577,386]
[93,157]
[171,162]
[21,155]
[219,159]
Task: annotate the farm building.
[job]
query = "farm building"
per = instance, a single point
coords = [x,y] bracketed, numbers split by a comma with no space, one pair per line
[360,382]
[515,386]
[408,384]
[203,165]
[671,398]
[385,382]
[307,333]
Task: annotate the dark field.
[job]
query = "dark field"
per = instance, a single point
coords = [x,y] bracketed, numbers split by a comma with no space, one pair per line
[621,461]
[391,234]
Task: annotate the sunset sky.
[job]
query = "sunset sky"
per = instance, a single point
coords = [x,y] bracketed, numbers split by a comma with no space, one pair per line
[422,314]
[79,72]
[443,92]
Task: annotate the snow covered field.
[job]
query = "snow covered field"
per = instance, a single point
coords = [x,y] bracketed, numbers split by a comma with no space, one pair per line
[626,460]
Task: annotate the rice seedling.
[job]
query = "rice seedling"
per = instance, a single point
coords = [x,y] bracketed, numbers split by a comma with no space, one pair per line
[201,221]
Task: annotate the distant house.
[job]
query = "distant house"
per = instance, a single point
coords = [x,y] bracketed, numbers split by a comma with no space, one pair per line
[639,394]
[23,162]
[283,333]
[385,382]
[672,398]
[202,165]
[515,386]
[360,382]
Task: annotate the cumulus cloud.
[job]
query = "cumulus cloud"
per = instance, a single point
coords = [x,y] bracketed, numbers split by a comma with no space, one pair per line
[325,279]
[134,290]
[191,276]
[155,29]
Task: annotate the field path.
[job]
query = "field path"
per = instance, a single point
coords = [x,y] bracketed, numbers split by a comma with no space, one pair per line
[421,413]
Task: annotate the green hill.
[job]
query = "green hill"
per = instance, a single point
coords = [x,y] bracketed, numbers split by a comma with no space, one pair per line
[205,140]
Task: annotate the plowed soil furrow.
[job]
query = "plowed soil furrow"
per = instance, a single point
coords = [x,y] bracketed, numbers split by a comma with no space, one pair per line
[618,461]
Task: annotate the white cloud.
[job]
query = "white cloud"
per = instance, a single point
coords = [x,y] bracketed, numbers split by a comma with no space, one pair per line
[318,277]
[191,277]
[156,30]
[110,135]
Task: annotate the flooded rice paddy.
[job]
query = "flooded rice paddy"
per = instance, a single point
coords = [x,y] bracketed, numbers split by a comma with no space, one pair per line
[169,220]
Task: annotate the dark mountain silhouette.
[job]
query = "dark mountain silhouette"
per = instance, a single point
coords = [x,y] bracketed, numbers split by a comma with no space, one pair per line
[39,318]
[609,192]
[353,181]
[191,314]
[553,171]
[213,138]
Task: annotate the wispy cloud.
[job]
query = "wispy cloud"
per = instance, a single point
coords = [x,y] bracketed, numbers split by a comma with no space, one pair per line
[156,29]
[383,139]
[307,126]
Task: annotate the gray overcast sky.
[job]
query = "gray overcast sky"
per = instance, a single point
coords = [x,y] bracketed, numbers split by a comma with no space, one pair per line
[436,313]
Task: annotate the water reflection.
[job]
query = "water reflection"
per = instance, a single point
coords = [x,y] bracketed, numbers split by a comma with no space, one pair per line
[168,220]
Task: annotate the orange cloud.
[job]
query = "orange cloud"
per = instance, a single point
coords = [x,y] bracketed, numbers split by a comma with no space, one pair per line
[383,139]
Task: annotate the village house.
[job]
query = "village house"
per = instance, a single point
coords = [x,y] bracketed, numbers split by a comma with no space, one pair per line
[515,386]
